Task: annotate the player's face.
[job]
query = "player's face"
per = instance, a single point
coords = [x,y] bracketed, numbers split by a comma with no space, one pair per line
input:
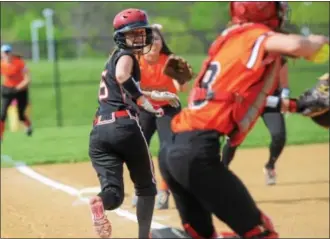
[157,43]
[6,55]
[136,37]
[152,51]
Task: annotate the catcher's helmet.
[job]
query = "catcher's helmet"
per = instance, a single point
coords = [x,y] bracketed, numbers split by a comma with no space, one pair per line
[128,20]
[272,14]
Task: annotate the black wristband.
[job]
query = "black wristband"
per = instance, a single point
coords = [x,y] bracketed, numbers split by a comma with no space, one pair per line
[132,88]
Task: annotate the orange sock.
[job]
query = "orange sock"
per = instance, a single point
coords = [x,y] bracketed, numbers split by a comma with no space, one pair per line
[2,128]
[163,186]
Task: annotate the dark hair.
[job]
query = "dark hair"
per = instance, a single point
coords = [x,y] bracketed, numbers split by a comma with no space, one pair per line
[165,49]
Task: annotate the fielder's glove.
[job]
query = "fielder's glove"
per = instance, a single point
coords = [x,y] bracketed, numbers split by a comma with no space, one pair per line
[173,99]
[178,69]
[315,101]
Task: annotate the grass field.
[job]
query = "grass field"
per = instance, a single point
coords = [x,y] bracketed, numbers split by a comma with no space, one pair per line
[80,80]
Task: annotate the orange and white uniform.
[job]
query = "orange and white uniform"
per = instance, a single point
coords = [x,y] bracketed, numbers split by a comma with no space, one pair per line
[152,78]
[13,72]
[240,74]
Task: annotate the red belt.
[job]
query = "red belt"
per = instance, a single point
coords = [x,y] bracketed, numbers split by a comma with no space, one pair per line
[114,116]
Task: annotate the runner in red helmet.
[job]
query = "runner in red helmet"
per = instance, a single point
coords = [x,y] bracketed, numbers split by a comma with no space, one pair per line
[116,137]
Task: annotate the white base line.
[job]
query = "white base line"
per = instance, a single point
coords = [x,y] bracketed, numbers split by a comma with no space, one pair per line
[22,168]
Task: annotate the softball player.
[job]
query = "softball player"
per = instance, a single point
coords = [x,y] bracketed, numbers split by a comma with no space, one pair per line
[275,123]
[157,84]
[15,86]
[228,96]
[116,137]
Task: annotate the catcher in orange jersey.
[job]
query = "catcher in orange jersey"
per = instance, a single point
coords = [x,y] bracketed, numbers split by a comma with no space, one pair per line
[162,91]
[228,96]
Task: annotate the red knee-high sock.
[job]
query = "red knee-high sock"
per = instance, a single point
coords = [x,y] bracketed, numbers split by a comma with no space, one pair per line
[2,128]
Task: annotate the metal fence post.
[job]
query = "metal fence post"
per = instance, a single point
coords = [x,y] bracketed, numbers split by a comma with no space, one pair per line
[57,87]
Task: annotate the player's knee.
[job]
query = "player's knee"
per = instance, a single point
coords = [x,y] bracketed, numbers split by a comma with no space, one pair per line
[112,198]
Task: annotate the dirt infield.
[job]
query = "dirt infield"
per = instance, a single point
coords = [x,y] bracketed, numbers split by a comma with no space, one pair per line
[298,204]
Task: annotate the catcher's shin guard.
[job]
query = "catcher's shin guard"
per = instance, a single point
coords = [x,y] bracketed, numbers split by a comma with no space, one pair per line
[264,231]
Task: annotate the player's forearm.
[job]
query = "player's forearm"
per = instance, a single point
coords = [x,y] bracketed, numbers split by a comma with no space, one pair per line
[25,83]
[295,45]
[310,46]
[132,88]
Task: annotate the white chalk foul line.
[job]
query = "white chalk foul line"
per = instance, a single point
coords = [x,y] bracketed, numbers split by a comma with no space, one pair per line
[22,168]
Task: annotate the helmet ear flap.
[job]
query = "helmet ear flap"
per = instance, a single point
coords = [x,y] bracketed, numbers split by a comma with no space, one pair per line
[120,39]
[149,36]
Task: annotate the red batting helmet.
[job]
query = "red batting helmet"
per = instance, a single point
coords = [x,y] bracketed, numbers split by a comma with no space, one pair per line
[128,20]
[272,14]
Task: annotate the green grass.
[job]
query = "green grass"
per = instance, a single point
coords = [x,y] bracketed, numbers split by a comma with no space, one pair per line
[70,144]
[50,144]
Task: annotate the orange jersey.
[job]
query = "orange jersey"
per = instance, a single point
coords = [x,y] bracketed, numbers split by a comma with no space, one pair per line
[152,78]
[237,77]
[13,71]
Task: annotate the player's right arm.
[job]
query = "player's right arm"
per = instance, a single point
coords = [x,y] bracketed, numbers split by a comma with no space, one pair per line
[27,79]
[295,45]
[124,77]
